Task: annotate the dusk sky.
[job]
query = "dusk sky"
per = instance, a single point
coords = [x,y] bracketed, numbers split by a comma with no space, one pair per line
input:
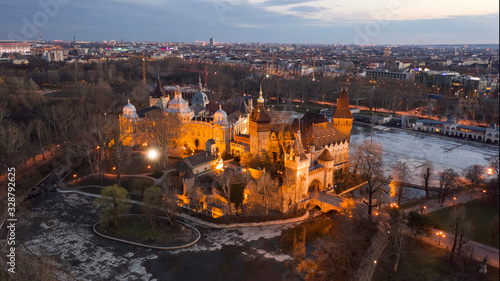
[274,21]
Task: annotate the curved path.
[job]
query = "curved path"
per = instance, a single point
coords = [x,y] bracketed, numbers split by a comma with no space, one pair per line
[150,246]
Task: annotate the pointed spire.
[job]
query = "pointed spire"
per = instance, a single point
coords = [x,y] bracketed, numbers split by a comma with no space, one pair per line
[200,86]
[260,99]
[298,147]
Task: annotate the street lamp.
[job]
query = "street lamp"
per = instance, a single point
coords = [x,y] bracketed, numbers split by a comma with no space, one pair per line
[454,200]
[440,234]
[489,171]
[153,154]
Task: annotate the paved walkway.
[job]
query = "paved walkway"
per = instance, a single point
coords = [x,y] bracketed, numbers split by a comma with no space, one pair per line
[380,240]
[369,263]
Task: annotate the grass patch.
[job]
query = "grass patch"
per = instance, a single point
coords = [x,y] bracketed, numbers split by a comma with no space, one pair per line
[156,174]
[92,189]
[483,212]
[92,180]
[134,183]
[419,202]
[423,262]
[140,230]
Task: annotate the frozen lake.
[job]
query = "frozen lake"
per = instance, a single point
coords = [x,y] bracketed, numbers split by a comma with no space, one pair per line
[415,148]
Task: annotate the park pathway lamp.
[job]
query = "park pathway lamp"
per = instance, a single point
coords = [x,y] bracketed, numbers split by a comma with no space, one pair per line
[454,200]
[440,234]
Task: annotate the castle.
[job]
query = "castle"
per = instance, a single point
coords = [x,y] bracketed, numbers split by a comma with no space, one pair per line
[313,148]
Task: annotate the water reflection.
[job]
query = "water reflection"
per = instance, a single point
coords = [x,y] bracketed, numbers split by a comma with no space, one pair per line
[299,241]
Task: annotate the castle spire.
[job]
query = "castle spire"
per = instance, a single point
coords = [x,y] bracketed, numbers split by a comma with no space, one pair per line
[260,99]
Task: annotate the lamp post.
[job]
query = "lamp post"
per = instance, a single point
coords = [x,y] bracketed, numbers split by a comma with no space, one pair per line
[440,234]
[152,155]
[454,200]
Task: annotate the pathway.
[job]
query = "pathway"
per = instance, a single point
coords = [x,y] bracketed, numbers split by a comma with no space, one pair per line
[369,263]
[481,250]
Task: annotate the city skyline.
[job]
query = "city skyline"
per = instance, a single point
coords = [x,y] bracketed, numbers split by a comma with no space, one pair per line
[322,22]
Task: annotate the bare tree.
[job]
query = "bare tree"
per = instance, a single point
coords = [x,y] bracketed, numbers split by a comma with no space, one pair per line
[170,186]
[401,176]
[224,179]
[153,197]
[447,180]
[162,131]
[426,173]
[119,152]
[266,192]
[494,165]
[347,207]
[369,163]
[281,125]
[398,238]
[462,229]
[474,176]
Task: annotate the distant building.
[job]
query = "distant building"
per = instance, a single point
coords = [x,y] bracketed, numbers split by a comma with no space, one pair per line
[212,42]
[439,80]
[53,56]
[14,47]
[386,74]
[20,61]
[451,128]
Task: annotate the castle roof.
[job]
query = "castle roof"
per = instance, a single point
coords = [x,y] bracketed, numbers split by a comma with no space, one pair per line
[308,120]
[199,159]
[260,114]
[326,156]
[298,148]
[322,134]
[342,110]
[158,91]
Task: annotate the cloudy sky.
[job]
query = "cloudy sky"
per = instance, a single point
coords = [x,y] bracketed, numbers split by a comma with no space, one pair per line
[276,21]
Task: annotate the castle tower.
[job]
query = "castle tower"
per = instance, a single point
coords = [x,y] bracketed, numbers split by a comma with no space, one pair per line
[326,159]
[260,127]
[157,97]
[297,166]
[342,118]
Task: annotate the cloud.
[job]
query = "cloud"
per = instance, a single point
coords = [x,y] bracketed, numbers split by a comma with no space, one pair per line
[369,10]
[295,21]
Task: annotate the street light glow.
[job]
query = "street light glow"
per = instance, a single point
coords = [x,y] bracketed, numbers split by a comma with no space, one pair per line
[152,154]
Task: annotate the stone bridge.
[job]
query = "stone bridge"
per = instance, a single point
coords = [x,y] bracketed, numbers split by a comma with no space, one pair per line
[326,201]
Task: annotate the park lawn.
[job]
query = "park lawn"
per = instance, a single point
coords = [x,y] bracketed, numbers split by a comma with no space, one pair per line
[481,211]
[423,262]
[135,183]
[138,229]
[91,180]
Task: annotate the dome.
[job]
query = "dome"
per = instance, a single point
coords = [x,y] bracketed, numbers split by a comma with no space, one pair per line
[129,111]
[178,104]
[451,119]
[200,98]
[492,126]
[220,116]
